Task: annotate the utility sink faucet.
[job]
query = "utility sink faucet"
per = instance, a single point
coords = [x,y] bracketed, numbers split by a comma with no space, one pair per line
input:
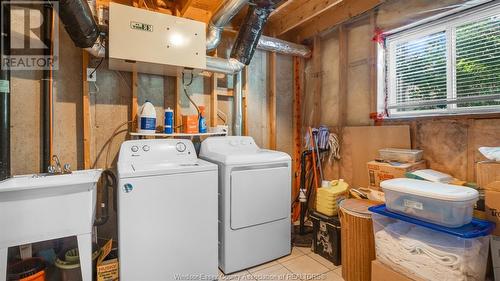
[57,169]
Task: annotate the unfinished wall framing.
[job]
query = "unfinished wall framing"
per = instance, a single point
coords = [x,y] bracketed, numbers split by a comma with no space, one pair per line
[348,95]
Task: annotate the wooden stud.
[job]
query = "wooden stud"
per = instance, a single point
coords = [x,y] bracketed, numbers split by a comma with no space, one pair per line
[373,65]
[343,75]
[177,102]
[224,92]
[134,103]
[332,17]
[213,100]
[272,99]
[86,112]
[316,81]
[471,151]
[298,72]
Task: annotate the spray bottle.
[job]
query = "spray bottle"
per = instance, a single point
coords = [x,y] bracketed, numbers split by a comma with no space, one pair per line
[202,122]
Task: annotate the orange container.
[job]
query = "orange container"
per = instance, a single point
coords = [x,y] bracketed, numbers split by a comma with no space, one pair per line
[32,269]
[190,124]
[40,276]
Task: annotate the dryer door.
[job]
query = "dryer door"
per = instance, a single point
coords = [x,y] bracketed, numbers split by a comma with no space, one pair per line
[259,196]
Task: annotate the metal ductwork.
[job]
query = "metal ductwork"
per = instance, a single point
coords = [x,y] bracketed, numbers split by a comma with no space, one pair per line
[279,46]
[250,31]
[249,36]
[227,66]
[5,98]
[223,16]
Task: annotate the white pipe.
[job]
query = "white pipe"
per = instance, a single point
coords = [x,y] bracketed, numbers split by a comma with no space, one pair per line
[237,102]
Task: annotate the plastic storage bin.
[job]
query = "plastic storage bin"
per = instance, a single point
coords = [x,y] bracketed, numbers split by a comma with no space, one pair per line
[444,204]
[400,155]
[429,251]
[326,237]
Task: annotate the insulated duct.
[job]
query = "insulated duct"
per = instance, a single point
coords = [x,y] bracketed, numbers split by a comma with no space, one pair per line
[224,14]
[250,31]
[227,66]
[279,46]
[79,22]
[5,98]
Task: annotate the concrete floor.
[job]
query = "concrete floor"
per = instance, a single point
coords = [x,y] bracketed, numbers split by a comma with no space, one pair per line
[301,264]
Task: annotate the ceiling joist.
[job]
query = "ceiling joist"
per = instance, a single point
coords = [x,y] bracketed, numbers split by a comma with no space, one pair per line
[331,17]
[295,13]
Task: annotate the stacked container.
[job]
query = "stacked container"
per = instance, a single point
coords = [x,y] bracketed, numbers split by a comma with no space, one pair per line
[328,196]
[426,231]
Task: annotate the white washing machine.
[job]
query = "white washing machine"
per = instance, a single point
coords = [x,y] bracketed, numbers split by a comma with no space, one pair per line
[254,201]
[167,212]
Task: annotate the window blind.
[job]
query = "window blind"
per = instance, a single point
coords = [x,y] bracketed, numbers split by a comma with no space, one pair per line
[453,66]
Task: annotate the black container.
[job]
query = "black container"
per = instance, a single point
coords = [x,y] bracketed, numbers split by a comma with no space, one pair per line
[326,237]
[25,268]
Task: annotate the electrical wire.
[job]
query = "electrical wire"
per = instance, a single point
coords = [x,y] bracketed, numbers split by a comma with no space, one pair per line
[115,133]
[186,92]
[95,69]
[96,89]
[224,117]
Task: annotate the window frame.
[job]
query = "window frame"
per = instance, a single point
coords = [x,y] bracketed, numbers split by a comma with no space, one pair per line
[386,67]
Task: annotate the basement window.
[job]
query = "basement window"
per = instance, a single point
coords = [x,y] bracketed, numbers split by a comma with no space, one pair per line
[450,66]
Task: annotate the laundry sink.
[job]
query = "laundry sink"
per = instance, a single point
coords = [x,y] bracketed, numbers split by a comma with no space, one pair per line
[41,207]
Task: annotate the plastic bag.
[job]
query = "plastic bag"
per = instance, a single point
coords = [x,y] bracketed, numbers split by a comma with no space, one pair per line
[492,153]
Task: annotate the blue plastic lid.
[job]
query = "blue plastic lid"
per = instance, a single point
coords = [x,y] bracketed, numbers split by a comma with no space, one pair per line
[476,228]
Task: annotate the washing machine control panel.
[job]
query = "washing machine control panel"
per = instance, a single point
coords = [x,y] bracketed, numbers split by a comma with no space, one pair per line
[161,150]
[181,147]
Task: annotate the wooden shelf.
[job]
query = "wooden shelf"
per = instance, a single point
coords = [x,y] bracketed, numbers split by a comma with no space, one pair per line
[180,135]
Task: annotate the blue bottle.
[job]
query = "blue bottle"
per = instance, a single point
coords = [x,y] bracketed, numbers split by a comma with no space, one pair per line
[169,121]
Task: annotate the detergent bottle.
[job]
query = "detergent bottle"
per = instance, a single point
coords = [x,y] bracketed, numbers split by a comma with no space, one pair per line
[146,119]
[328,196]
[202,122]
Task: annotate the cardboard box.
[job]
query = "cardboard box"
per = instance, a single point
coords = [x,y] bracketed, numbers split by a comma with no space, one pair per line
[488,175]
[492,208]
[108,270]
[190,124]
[378,171]
[381,272]
[495,250]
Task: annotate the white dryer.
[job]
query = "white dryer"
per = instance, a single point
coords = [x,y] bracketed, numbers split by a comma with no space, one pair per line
[254,201]
[167,212]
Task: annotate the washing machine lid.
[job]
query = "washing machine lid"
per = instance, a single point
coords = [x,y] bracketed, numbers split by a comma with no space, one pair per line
[239,150]
[140,158]
[157,169]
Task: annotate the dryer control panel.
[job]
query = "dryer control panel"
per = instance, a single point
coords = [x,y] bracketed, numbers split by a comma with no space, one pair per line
[229,145]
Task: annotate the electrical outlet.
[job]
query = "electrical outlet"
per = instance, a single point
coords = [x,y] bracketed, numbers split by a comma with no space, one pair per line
[94,74]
